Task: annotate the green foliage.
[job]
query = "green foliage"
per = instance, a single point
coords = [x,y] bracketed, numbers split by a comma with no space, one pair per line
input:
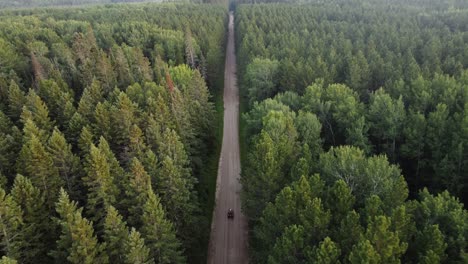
[159,233]
[77,243]
[102,191]
[10,224]
[36,227]
[260,78]
[370,83]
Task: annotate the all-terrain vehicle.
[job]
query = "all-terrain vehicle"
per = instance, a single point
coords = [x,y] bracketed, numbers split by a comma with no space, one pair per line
[230,214]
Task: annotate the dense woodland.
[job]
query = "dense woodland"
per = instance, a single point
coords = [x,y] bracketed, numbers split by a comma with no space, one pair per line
[356,130]
[105,123]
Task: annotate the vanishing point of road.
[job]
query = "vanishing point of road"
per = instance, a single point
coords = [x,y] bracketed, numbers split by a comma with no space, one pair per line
[228,239]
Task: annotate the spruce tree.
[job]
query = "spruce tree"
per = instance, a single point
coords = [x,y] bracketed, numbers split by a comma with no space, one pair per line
[159,233]
[37,164]
[36,231]
[78,243]
[115,236]
[136,250]
[16,101]
[66,162]
[137,192]
[36,110]
[102,191]
[11,220]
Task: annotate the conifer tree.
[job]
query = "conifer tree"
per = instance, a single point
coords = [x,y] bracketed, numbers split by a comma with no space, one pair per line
[137,192]
[36,110]
[102,191]
[36,232]
[10,144]
[137,251]
[16,101]
[327,252]
[66,162]
[85,141]
[115,236]
[11,220]
[78,243]
[92,95]
[159,233]
[37,164]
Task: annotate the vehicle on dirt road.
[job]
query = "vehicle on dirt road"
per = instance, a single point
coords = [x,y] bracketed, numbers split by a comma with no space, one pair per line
[230,214]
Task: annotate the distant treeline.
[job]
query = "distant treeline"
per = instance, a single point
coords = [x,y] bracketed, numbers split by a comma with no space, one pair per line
[428,4]
[36,3]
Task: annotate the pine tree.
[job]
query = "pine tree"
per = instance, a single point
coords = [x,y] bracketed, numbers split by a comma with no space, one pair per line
[385,242]
[11,219]
[85,141]
[364,252]
[137,192]
[327,252]
[36,232]
[78,243]
[137,252]
[74,128]
[59,99]
[92,95]
[66,162]
[16,101]
[103,126]
[115,236]
[36,110]
[102,191]
[10,145]
[291,247]
[117,172]
[159,233]
[37,164]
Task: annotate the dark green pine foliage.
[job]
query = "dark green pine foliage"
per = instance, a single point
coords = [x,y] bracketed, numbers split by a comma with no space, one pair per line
[10,145]
[66,162]
[11,220]
[138,186]
[77,243]
[16,101]
[136,250]
[36,163]
[99,181]
[115,236]
[159,233]
[36,110]
[122,245]
[37,234]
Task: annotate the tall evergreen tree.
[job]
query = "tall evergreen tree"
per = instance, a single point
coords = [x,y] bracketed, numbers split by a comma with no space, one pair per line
[78,243]
[36,232]
[37,164]
[137,251]
[159,233]
[102,191]
[115,236]
[66,162]
[11,219]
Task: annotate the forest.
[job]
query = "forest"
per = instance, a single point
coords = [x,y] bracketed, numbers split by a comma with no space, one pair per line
[353,130]
[106,123]
[356,130]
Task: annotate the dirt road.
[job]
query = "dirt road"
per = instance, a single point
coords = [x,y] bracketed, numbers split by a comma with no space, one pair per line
[228,240]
